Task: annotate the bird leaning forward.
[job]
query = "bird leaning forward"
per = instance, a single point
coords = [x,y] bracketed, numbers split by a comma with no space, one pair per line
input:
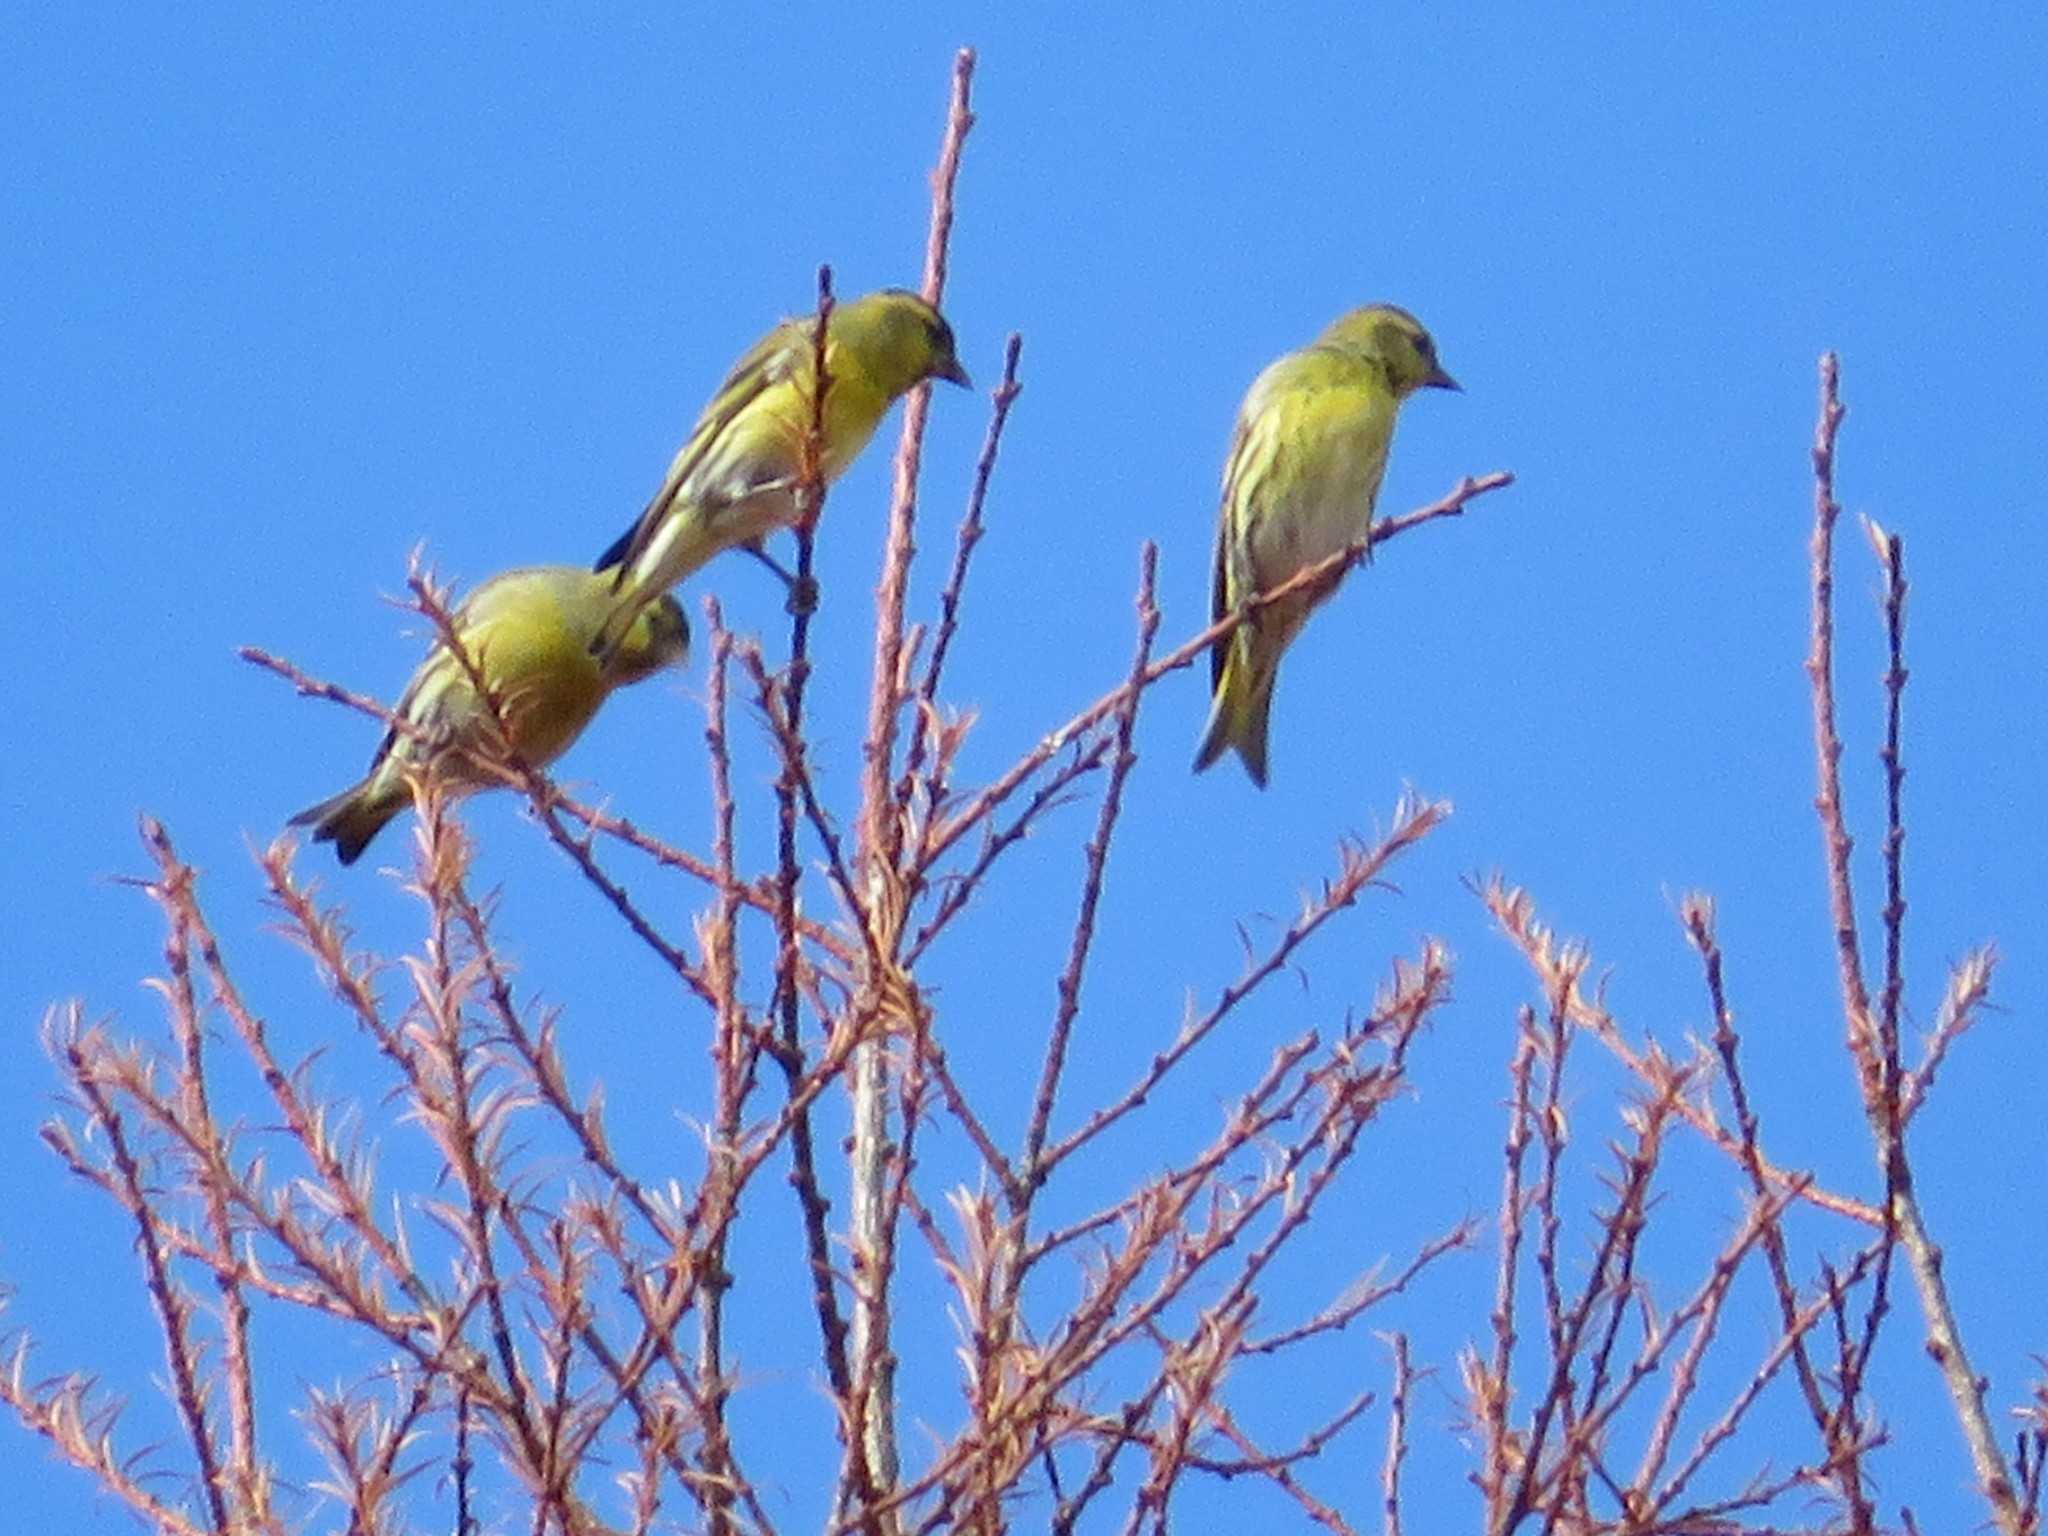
[528,633]
[1298,486]
[736,478]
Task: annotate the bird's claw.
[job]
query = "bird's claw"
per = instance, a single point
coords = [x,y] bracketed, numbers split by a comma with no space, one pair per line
[803,589]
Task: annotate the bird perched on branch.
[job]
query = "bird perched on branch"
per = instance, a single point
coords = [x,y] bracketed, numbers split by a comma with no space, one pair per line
[528,633]
[735,480]
[1299,484]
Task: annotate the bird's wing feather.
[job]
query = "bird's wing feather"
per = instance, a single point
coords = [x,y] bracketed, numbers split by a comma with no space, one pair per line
[1254,444]
[767,363]
[417,707]
[1222,597]
[424,704]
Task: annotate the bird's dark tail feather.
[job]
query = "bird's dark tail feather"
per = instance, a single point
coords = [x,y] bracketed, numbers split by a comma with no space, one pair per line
[348,820]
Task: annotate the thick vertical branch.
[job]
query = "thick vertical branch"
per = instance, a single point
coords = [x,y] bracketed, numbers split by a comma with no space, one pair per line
[730,1076]
[1397,1435]
[789,873]
[881,827]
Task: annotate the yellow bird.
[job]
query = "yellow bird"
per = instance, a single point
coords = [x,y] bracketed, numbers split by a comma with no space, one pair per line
[1299,484]
[735,479]
[529,632]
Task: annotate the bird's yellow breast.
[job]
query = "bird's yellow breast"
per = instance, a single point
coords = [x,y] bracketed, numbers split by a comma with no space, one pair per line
[1312,448]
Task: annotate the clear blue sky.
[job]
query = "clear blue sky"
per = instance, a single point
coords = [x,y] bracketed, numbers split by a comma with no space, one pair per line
[286,296]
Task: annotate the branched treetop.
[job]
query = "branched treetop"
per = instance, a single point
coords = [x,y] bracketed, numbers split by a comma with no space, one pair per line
[558,1334]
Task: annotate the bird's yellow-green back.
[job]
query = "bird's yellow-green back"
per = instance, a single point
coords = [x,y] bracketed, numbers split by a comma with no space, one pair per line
[528,632]
[735,478]
[1299,485]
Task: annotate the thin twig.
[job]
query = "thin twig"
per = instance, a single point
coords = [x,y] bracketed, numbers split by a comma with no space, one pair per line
[1820,672]
[1095,863]
[173,1307]
[1696,914]
[1359,869]
[212,1175]
[1319,575]
[1496,1385]
[1515,911]
[923,744]
[1969,988]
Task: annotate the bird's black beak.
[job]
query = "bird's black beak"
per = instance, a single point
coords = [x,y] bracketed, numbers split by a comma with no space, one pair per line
[953,373]
[1438,379]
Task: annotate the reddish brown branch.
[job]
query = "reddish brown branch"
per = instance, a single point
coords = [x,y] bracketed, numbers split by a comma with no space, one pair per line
[173,1307]
[1493,1387]
[1723,1429]
[1820,672]
[1542,1484]
[732,1057]
[1515,911]
[879,827]
[1944,1336]
[1969,988]
[1696,913]
[81,1428]
[212,1176]
[959,889]
[1360,868]
[456,1112]
[788,1047]
[871,1415]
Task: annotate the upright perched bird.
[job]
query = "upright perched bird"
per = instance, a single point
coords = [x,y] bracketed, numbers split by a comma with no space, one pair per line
[735,479]
[528,631]
[1299,485]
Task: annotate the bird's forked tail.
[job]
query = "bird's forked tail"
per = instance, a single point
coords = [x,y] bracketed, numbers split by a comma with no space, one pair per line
[351,819]
[1238,714]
